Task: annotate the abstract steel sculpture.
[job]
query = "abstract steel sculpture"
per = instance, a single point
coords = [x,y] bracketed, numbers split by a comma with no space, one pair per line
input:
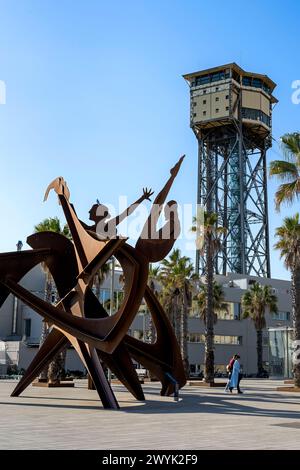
[78,317]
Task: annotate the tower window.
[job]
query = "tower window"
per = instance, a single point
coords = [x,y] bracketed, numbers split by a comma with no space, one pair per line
[217,98]
[217,88]
[227,108]
[227,97]
[204,92]
[204,113]
[204,101]
[246,81]
[217,110]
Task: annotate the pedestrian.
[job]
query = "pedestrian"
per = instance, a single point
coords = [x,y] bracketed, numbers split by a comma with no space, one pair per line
[239,379]
[235,376]
[229,368]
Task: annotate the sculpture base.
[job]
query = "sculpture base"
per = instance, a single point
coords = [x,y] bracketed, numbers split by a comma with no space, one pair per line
[200,383]
[66,379]
[42,383]
[118,382]
[288,389]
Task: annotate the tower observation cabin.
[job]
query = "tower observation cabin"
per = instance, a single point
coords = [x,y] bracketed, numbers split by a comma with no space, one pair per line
[231,116]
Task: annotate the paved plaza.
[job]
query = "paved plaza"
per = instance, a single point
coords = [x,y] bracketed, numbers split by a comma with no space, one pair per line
[204,418]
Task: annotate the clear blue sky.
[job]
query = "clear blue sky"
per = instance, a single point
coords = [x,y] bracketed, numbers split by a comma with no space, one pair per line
[95,93]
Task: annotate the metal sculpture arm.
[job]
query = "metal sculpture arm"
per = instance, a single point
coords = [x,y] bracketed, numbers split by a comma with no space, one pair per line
[60,187]
[153,243]
[147,193]
[160,199]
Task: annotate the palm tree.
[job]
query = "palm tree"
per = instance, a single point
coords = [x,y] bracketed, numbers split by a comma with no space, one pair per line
[289,245]
[55,368]
[177,276]
[288,170]
[255,301]
[218,301]
[212,235]
[100,277]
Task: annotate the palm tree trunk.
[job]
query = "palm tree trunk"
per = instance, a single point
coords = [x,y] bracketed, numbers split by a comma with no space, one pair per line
[56,370]
[151,335]
[259,349]
[97,286]
[184,332]
[63,356]
[177,317]
[150,330]
[296,323]
[45,328]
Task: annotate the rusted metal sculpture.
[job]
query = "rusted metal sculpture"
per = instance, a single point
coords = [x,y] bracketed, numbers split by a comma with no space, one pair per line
[79,318]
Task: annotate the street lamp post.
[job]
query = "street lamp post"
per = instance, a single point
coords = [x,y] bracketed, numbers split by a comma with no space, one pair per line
[112,288]
[15,305]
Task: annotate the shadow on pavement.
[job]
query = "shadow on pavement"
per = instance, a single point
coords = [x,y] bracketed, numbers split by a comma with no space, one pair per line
[248,404]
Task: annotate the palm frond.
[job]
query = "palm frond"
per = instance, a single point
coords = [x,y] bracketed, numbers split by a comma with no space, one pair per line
[287,192]
[290,144]
[288,243]
[256,301]
[284,170]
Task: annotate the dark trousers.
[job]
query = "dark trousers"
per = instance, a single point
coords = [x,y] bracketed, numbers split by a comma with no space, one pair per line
[238,384]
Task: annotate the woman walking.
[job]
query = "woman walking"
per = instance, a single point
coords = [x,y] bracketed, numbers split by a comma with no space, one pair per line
[235,376]
[229,368]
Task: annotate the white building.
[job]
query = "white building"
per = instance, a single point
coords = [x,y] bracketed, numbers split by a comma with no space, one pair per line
[232,333]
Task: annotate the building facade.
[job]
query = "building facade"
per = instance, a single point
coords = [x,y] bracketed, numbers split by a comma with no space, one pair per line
[232,333]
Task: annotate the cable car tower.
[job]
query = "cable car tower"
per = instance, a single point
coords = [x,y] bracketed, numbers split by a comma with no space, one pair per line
[231,116]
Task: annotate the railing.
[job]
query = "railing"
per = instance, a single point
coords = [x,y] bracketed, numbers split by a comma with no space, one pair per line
[11,377]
